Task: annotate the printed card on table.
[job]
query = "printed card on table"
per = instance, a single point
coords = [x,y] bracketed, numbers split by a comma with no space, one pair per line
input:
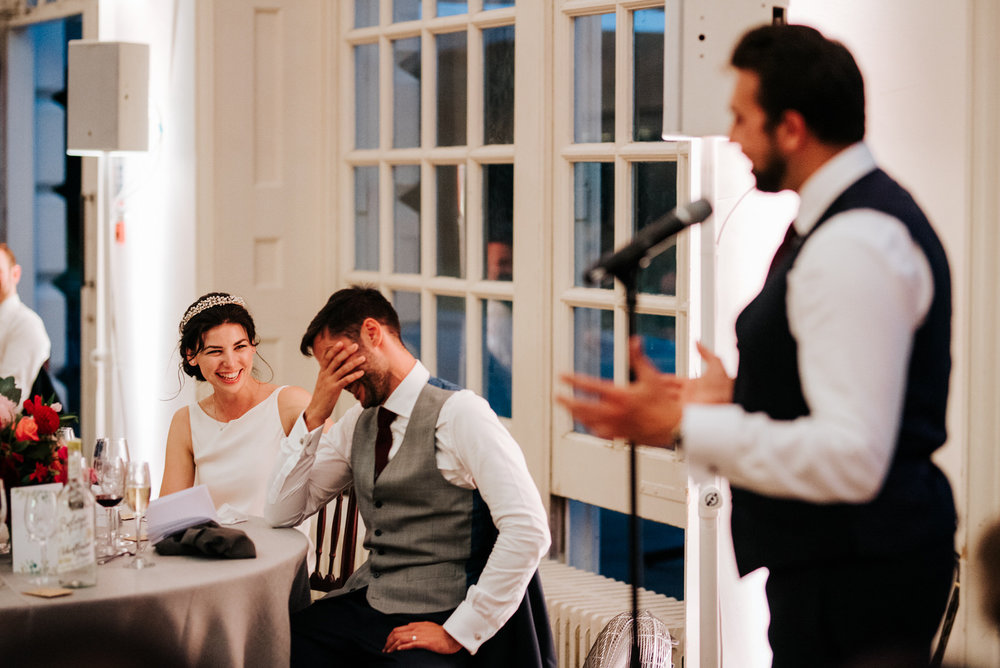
[27,554]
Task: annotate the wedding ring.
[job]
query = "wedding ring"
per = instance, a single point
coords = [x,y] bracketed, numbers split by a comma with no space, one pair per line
[414,638]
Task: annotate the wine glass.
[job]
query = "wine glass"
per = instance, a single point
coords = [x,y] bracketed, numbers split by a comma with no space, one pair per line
[119,448]
[109,471]
[137,495]
[4,534]
[40,521]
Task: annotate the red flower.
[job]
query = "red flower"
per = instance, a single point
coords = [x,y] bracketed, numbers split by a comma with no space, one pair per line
[30,406]
[58,470]
[26,429]
[41,472]
[46,418]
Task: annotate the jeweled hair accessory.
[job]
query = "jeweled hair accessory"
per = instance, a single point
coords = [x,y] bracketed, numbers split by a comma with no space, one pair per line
[210,302]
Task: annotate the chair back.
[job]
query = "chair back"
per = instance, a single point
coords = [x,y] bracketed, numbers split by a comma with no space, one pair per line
[343,538]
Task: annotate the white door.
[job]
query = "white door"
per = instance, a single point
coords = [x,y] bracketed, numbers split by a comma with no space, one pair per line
[261,147]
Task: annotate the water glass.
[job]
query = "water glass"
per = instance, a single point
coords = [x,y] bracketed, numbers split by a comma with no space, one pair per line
[40,523]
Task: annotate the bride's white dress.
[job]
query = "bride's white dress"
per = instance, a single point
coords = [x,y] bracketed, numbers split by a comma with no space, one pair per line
[234,459]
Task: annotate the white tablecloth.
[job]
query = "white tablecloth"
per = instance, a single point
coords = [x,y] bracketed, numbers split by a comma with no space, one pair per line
[187,611]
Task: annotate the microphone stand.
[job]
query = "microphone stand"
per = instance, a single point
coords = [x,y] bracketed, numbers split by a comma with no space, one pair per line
[629,278]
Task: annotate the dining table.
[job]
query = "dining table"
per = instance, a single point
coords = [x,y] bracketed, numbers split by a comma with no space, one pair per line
[185,611]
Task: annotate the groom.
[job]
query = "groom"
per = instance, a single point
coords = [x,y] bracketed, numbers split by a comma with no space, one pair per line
[455,527]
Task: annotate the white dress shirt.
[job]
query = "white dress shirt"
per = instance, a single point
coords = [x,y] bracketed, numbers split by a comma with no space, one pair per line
[859,289]
[473,451]
[24,345]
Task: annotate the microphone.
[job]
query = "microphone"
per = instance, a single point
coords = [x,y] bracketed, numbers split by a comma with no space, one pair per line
[647,241]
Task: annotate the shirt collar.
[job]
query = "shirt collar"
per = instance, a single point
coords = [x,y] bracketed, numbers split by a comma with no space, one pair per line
[404,397]
[827,182]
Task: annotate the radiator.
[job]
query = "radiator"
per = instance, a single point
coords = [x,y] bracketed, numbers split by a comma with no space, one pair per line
[580,604]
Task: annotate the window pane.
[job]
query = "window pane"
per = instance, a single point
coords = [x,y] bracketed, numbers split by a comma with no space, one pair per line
[366,218]
[594,78]
[451,89]
[593,345]
[594,208]
[451,339]
[365,13]
[406,219]
[498,85]
[661,547]
[654,193]
[366,96]
[451,220]
[647,76]
[497,4]
[405,10]
[498,323]
[498,218]
[407,305]
[452,7]
[659,339]
[406,93]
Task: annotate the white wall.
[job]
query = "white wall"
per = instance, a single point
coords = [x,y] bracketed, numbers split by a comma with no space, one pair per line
[155,266]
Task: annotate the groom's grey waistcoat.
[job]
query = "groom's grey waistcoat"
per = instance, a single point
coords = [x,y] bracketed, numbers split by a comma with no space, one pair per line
[427,539]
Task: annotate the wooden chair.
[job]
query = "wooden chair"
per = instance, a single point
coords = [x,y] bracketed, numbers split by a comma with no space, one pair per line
[343,541]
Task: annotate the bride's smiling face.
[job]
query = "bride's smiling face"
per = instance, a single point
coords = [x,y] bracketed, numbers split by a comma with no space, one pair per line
[226,357]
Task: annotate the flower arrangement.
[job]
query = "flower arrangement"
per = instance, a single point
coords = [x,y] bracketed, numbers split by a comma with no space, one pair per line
[30,453]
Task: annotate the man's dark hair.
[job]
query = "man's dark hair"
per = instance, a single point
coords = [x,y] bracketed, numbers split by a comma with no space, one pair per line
[801,70]
[344,312]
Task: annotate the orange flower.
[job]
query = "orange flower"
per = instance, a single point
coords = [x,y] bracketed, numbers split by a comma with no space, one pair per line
[26,430]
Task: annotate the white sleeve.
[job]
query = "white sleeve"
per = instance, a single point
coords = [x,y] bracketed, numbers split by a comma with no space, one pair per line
[493,462]
[311,468]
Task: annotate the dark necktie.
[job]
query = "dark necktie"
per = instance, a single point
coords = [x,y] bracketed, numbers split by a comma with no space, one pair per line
[788,244]
[383,439]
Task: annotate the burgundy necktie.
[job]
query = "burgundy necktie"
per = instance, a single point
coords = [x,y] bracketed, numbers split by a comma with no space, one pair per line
[383,439]
[788,244]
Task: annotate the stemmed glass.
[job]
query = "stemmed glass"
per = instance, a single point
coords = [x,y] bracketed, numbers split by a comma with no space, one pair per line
[137,495]
[109,471]
[40,521]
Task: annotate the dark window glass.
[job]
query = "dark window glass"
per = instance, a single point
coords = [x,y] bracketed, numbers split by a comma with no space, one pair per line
[498,85]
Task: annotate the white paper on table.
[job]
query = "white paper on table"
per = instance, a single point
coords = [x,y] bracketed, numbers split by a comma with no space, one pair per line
[27,555]
[178,511]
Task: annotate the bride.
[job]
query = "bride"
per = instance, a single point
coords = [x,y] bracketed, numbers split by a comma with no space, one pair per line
[228,440]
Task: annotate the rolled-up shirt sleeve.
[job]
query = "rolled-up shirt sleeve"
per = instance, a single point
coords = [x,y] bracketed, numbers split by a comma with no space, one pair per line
[483,453]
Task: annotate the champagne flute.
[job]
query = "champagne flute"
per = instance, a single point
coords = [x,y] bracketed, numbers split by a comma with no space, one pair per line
[40,521]
[109,470]
[137,495]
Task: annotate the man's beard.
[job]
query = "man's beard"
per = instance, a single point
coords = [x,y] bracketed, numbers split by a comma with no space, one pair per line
[374,387]
[771,176]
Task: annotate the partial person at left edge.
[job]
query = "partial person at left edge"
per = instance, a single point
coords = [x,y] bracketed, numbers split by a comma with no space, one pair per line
[228,439]
[24,344]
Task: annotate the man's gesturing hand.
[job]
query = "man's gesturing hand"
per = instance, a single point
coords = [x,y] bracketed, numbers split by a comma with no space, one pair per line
[421,635]
[337,369]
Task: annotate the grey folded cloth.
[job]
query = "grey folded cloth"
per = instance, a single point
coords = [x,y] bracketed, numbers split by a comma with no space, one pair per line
[209,540]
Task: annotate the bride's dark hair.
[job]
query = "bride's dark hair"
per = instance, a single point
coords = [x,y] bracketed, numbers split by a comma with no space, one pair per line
[212,310]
